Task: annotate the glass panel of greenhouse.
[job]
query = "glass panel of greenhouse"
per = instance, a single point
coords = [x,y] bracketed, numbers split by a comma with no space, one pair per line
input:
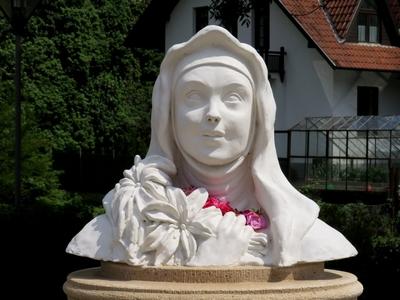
[355,153]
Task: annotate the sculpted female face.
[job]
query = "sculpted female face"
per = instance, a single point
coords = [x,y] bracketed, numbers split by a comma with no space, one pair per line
[213,112]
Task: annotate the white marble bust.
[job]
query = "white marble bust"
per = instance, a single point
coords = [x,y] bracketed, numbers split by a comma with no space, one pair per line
[210,190]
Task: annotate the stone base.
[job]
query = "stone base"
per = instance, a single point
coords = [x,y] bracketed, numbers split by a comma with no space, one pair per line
[119,281]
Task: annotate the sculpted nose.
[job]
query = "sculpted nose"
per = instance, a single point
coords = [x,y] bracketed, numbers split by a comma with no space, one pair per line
[213,119]
[213,115]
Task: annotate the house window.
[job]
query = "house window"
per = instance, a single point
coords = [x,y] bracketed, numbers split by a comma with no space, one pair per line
[200,16]
[367,101]
[261,26]
[368,30]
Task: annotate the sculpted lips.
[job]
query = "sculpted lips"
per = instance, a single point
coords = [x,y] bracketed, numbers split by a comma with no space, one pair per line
[214,133]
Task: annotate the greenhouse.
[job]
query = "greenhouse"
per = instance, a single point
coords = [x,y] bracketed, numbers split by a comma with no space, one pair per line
[358,153]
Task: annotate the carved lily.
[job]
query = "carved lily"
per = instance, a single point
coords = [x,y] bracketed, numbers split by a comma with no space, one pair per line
[179,222]
[145,181]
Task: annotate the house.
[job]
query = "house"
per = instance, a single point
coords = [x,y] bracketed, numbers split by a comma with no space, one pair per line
[325,57]
[329,61]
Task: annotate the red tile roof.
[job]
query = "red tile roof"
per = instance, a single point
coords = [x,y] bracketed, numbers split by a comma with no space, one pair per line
[341,14]
[326,27]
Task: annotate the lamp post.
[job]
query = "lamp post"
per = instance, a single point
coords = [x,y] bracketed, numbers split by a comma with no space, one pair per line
[18,13]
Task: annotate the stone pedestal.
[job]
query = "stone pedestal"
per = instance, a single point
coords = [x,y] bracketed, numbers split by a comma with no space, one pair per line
[119,281]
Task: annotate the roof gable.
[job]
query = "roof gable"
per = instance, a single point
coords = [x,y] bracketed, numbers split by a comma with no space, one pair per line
[313,18]
[341,14]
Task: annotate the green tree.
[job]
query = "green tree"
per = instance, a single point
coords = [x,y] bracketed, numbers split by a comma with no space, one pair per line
[230,12]
[40,180]
[83,83]
[83,89]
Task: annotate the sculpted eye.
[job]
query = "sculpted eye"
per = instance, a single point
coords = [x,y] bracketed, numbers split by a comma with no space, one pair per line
[194,96]
[233,98]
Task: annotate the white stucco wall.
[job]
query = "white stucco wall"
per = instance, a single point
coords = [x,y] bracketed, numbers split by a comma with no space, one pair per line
[346,83]
[180,26]
[311,87]
[390,95]
[308,86]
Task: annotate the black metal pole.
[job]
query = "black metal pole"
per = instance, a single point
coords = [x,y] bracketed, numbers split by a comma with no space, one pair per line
[289,152]
[347,159]
[18,13]
[17,81]
[366,158]
[326,159]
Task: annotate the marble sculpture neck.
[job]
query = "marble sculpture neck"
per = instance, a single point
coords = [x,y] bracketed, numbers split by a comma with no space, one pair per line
[232,181]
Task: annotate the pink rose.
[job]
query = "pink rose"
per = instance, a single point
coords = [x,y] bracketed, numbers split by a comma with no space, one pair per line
[255,220]
[224,206]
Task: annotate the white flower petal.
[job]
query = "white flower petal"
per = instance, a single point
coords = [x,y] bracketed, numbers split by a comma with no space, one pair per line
[134,227]
[107,200]
[154,238]
[128,179]
[137,159]
[206,221]
[143,198]
[160,211]
[167,247]
[156,190]
[177,198]
[180,199]
[120,211]
[195,202]
[189,245]
[133,230]
[161,163]
[200,230]
[155,175]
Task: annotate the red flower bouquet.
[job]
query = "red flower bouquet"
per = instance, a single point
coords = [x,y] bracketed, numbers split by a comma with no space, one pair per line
[254,218]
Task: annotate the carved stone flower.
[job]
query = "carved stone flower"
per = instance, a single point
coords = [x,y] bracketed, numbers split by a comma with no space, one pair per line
[145,181]
[179,222]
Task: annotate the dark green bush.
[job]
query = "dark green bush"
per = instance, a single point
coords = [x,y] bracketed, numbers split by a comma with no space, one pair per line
[373,230]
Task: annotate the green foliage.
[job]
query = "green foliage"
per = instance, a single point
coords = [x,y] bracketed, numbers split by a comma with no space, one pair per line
[310,190]
[81,80]
[375,233]
[371,228]
[83,90]
[386,254]
[39,178]
[229,12]
[82,207]
[320,172]
[361,223]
